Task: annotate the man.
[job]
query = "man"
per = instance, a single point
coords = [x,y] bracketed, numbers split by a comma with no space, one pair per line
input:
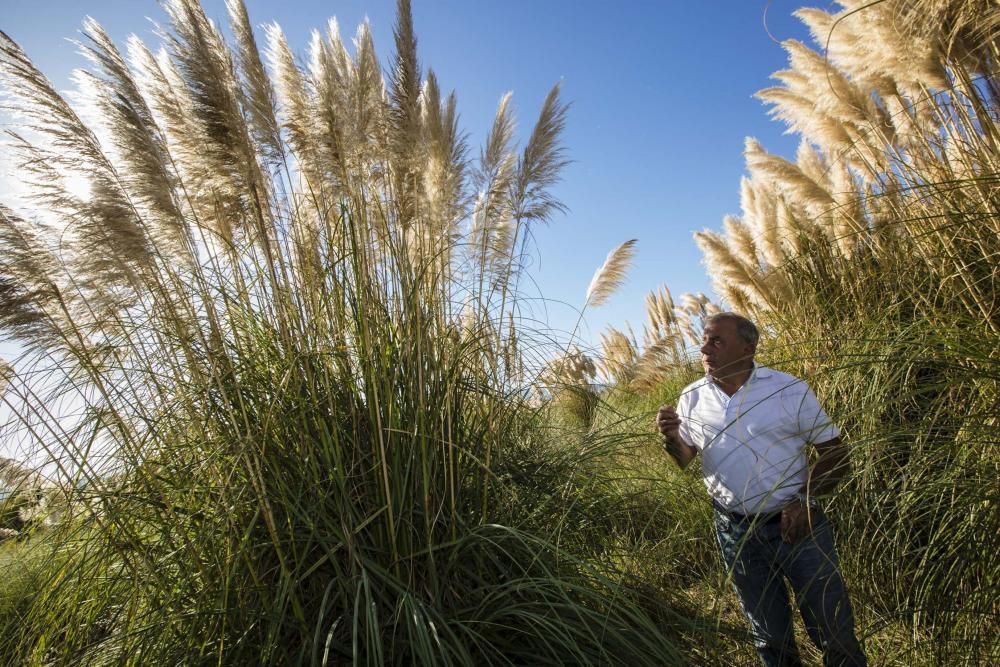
[752,426]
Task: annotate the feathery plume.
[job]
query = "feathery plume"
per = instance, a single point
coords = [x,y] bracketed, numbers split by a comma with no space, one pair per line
[343,67]
[141,149]
[31,303]
[618,355]
[812,164]
[693,304]
[801,116]
[849,222]
[710,307]
[6,373]
[791,227]
[220,154]
[611,275]
[813,76]
[662,342]
[758,204]
[259,103]
[786,177]
[292,101]
[444,171]
[491,237]
[895,45]
[740,240]
[326,109]
[74,147]
[660,316]
[657,361]
[688,331]
[102,220]
[541,163]
[492,232]
[497,149]
[405,88]
[368,101]
[404,113]
[161,88]
[727,272]
[574,368]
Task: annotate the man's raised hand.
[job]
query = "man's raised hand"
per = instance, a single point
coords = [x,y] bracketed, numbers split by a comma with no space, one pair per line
[668,422]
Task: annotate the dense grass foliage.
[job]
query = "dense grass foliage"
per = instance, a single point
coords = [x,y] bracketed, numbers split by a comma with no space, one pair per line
[871,262]
[285,308]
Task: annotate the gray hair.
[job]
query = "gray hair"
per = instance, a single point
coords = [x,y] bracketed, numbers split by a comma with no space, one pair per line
[746,329]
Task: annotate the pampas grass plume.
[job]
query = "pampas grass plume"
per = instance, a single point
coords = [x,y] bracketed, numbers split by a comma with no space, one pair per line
[611,275]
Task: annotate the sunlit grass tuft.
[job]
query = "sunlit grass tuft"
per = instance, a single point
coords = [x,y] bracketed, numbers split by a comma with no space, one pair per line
[305,432]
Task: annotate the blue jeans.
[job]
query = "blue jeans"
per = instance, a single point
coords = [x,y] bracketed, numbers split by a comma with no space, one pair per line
[759,561]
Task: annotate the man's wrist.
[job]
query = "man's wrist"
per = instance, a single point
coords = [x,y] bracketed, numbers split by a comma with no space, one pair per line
[679,450]
[807,500]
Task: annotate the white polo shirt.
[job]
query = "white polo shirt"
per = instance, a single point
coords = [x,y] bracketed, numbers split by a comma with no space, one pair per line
[753,443]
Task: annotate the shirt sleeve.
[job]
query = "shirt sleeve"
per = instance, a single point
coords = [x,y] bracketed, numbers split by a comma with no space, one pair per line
[813,423]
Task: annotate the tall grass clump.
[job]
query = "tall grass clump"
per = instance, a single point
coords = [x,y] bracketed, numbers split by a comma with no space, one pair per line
[282,303]
[871,262]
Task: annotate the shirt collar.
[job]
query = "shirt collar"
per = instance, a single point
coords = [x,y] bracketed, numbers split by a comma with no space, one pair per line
[757,371]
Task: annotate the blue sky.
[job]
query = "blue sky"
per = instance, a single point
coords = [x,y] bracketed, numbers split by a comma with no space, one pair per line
[661,96]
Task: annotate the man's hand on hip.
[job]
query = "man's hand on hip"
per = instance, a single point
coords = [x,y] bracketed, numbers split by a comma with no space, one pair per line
[796,522]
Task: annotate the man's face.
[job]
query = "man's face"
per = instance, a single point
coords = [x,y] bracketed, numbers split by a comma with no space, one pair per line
[723,352]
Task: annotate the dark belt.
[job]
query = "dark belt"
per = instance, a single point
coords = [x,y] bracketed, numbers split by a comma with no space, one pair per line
[761,519]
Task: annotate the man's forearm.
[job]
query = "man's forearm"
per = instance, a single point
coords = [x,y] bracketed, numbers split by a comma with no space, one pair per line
[668,422]
[679,450]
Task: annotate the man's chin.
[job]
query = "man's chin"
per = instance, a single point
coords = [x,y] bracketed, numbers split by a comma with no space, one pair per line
[719,372]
